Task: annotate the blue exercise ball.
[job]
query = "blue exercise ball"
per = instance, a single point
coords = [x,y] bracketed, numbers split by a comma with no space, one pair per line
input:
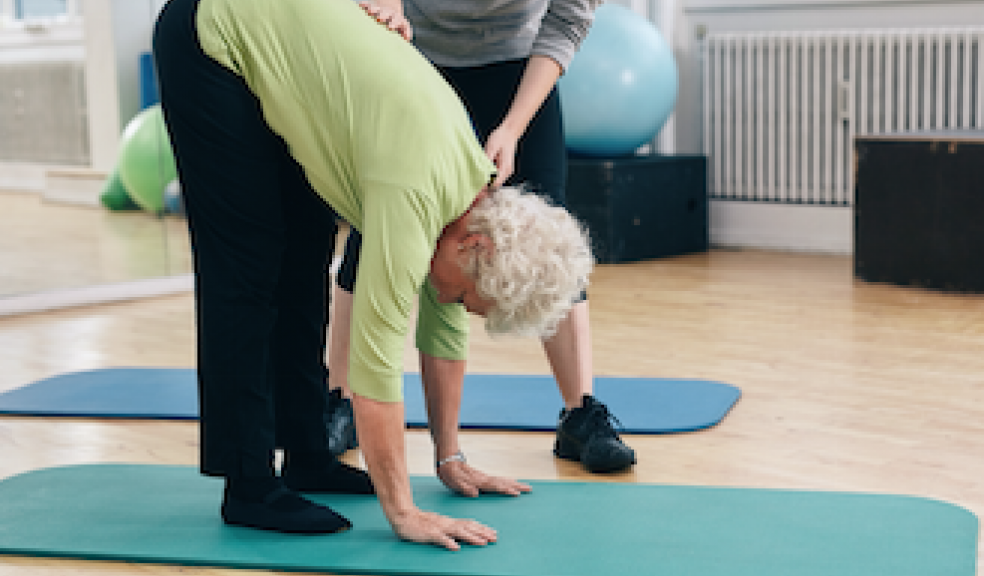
[621,86]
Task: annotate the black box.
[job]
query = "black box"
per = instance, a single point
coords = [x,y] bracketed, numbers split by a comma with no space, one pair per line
[919,210]
[640,207]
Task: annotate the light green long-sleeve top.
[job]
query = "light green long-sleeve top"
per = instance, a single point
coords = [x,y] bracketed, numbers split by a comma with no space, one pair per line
[382,138]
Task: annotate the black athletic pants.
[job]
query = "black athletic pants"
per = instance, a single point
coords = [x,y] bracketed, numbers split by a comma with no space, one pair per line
[261,241]
[541,157]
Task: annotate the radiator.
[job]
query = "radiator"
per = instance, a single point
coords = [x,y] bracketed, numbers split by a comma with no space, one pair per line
[781,110]
[43,113]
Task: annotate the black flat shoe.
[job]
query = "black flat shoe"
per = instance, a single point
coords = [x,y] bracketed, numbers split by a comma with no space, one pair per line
[283,511]
[330,477]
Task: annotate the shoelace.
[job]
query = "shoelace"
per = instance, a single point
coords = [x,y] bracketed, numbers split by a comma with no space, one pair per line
[599,414]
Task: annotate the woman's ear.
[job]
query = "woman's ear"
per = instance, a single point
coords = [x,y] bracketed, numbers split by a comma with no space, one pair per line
[480,243]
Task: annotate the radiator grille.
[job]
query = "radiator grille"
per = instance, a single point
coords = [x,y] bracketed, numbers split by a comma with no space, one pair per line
[43,113]
[781,109]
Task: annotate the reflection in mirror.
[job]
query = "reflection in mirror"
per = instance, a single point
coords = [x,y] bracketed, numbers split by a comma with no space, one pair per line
[88,194]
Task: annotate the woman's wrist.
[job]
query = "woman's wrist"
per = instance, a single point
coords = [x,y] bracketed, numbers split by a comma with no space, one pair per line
[458,456]
[397,508]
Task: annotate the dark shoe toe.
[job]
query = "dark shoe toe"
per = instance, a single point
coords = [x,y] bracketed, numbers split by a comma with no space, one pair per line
[602,454]
[587,434]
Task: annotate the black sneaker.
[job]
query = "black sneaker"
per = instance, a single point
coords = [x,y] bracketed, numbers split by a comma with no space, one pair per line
[340,422]
[282,510]
[586,434]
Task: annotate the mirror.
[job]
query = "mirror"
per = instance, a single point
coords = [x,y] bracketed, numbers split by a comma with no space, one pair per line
[75,80]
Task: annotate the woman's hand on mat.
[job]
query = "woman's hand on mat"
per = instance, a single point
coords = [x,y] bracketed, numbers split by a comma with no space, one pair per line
[429,528]
[389,17]
[468,481]
[501,149]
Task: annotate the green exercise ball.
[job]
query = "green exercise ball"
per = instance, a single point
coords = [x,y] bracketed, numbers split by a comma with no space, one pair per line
[114,195]
[146,163]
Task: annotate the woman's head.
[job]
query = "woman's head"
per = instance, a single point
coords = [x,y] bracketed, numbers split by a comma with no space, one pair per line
[529,261]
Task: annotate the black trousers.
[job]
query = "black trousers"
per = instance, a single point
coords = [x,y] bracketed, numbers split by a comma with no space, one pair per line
[541,156]
[261,241]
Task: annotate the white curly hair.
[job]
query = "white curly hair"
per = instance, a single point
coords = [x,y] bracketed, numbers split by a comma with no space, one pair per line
[538,267]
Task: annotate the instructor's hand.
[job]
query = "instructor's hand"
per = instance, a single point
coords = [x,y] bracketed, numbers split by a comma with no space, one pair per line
[467,481]
[501,149]
[392,19]
[430,528]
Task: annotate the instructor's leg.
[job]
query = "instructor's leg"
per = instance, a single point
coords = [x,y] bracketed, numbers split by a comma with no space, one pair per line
[585,432]
[541,164]
[341,418]
[542,161]
[342,295]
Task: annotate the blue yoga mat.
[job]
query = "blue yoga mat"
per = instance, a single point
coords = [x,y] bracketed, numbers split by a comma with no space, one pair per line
[642,405]
[169,514]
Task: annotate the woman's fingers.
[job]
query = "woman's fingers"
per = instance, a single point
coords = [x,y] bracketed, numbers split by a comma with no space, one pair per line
[474,533]
[499,485]
[468,481]
[431,528]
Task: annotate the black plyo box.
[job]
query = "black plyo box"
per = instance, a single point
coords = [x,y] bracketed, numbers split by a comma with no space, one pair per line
[641,207]
[919,210]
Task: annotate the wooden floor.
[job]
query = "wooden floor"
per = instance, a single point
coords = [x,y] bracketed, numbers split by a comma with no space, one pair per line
[846,386]
[46,246]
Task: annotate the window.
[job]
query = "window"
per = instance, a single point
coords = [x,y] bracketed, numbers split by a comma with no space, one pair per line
[39,9]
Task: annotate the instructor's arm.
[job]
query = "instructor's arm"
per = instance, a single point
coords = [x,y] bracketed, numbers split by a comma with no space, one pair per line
[389,13]
[538,80]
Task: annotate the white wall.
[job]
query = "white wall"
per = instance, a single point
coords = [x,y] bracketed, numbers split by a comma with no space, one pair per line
[101,84]
[800,228]
[700,16]
[116,32]
[53,43]
[133,26]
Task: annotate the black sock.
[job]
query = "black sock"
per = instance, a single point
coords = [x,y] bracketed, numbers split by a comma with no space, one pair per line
[280,509]
[320,472]
[309,460]
[252,488]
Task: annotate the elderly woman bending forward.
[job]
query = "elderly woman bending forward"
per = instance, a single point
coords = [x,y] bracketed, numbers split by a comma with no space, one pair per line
[285,116]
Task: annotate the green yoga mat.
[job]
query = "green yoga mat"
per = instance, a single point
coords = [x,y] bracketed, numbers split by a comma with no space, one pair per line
[169,514]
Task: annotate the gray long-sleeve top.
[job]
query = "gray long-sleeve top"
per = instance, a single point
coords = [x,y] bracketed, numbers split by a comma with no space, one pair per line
[478,32]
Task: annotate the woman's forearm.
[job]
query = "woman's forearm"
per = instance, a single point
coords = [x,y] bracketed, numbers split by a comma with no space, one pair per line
[443,380]
[380,428]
